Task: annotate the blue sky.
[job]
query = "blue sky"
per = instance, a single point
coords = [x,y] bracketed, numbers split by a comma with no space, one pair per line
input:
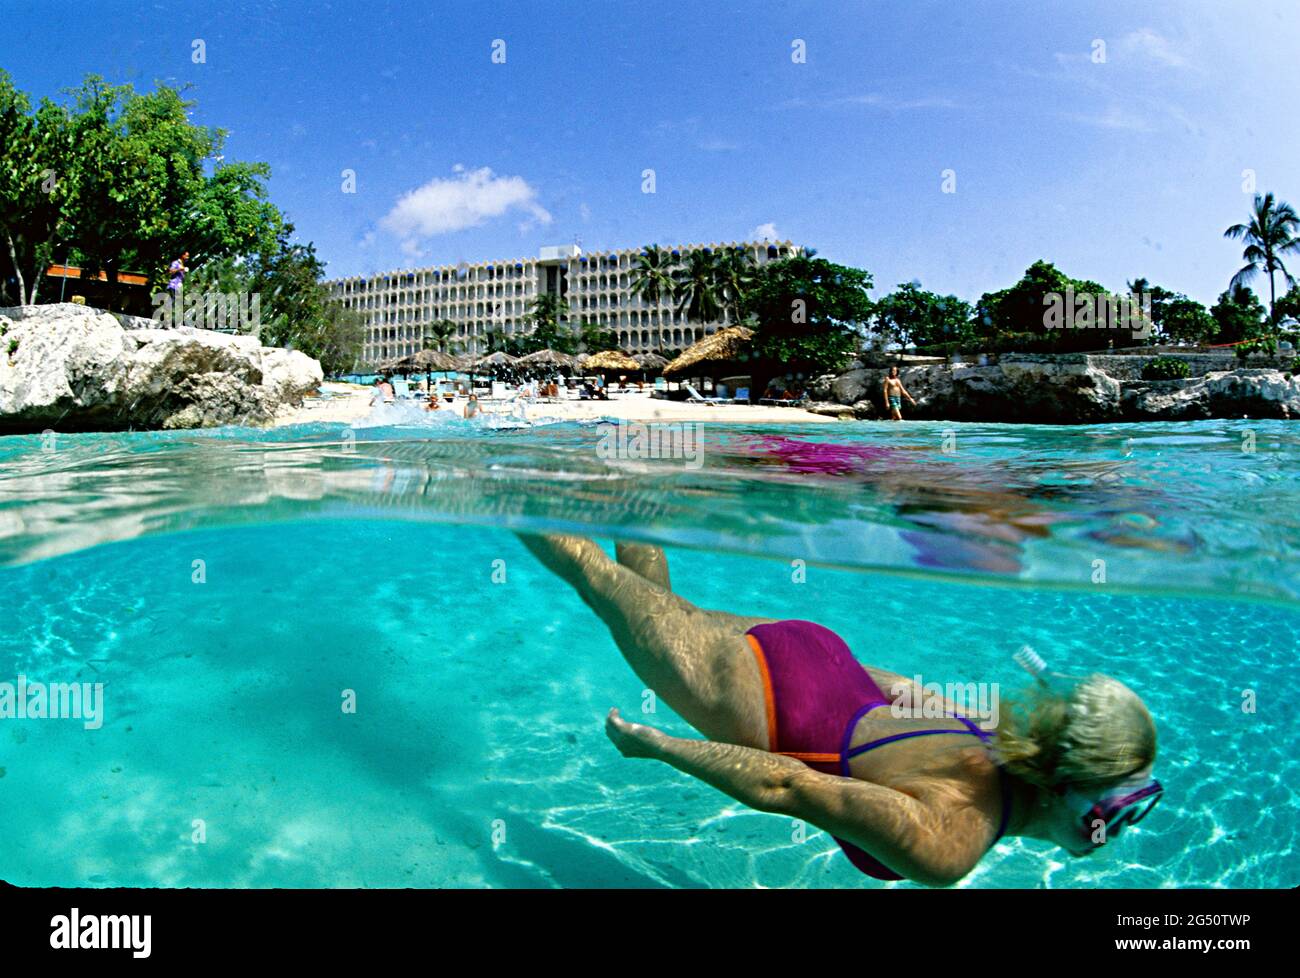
[1129,167]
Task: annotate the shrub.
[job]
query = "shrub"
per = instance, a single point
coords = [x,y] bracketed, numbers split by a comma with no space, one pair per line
[1261,344]
[1165,368]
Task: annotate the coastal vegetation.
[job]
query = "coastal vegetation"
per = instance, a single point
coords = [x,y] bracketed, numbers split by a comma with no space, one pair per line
[1165,368]
[809,314]
[113,180]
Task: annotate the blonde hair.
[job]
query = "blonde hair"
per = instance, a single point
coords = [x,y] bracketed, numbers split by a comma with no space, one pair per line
[1091,734]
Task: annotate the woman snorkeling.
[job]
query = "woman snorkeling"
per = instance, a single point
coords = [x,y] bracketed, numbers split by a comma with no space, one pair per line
[794,726]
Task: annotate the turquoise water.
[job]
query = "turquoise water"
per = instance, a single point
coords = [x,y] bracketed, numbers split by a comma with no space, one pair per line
[371,560]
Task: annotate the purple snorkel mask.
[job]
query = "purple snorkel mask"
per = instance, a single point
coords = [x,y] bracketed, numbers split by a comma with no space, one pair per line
[1126,804]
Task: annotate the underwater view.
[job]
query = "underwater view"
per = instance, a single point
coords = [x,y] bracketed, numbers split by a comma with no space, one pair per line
[326,654]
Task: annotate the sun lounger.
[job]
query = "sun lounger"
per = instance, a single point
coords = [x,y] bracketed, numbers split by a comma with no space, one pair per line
[695,397]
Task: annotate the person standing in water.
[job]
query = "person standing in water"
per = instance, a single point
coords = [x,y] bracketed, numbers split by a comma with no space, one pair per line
[383,392]
[894,394]
[794,726]
[471,406]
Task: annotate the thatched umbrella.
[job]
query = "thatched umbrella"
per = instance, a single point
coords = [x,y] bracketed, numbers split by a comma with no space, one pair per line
[608,360]
[725,346]
[548,358]
[435,361]
[394,365]
[491,364]
[651,362]
[498,359]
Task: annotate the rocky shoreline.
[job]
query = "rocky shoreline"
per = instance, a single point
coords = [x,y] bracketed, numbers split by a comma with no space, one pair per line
[1063,389]
[71,367]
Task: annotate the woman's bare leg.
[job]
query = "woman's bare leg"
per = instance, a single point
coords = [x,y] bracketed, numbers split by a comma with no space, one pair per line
[697,661]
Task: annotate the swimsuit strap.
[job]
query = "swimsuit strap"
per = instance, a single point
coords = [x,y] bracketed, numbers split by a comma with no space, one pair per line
[972,729]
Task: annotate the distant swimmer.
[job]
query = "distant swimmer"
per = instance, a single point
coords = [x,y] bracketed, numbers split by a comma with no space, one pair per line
[894,394]
[796,726]
[383,392]
[471,406]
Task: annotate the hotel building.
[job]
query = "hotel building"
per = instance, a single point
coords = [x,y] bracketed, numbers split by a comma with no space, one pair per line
[495,296]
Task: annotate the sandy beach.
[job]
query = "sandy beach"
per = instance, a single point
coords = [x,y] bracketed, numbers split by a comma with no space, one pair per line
[349,403]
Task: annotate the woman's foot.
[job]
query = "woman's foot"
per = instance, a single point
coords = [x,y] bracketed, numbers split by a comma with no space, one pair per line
[571,557]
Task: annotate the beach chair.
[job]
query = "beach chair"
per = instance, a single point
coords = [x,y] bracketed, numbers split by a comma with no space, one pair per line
[695,397]
[402,388]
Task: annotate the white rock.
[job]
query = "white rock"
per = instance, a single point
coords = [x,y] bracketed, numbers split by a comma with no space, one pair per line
[74,366]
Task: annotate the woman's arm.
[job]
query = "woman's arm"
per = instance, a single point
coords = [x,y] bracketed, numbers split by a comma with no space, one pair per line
[902,832]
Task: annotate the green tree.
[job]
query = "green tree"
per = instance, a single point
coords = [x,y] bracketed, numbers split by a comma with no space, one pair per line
[653,275]
[807,313]
[296,310]
[35,153]
[697,287]
[1288,307]
[548,314]
[1239,314]
[438,335]
[1156,296]
[337,340]
[912,316]
[1185,320]
[593,337]
[736,273]
[1272,232]
[1018,314]
[121,180]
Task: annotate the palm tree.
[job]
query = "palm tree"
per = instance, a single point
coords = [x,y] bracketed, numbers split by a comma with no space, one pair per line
[1274,229]
[696,287]
[736,274]
[653,277]
[548,314]
[438,334]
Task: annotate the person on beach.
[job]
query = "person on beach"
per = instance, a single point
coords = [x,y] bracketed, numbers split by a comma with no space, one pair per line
[383,392]
[794,727]
[177,269]
[894,394]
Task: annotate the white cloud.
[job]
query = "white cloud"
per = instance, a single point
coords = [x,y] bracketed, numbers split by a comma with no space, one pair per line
[1116,117]
[469,199]
[873,100]
[765,232]
[1156,47]
[893,105]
